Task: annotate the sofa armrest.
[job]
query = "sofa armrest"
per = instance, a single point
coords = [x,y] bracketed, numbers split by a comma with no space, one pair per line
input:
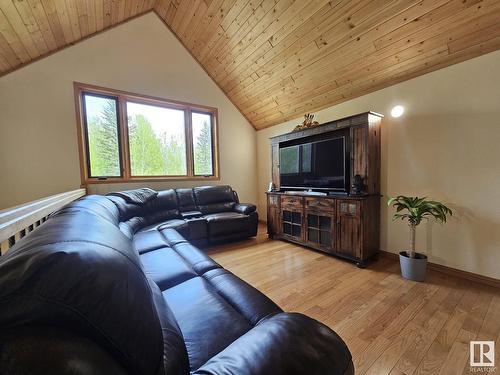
[244,208]
[286,343]
[36,350]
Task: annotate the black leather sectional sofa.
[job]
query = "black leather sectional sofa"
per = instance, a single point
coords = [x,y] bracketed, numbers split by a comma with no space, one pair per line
[206,214]
[107,286]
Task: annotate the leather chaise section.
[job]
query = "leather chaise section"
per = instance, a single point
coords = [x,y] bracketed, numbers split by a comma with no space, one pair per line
[207,322]
[305,347]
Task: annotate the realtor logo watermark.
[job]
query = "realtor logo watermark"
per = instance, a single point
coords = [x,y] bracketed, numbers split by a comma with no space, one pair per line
[482,356]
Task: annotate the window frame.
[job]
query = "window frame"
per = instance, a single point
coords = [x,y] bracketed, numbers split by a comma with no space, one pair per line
[86,132]
[212,134]
[122,97]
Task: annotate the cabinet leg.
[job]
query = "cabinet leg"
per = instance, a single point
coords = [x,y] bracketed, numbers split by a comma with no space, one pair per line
[361,264]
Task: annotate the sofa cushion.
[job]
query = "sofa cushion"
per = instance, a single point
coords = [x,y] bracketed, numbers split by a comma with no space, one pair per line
[166,268]
[172,236]
[180,226]
[243,297]
[226,223]
[207,322]
[163,207]
[175,358]
[211,199]
[198,260]
[148,240]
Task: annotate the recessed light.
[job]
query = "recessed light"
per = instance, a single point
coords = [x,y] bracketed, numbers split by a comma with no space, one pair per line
[397,111]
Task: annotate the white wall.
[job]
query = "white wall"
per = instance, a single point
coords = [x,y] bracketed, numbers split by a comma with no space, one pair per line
[446,146]
[38,142]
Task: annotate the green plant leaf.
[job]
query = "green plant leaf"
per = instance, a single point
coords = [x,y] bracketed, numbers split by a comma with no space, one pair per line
[418,208]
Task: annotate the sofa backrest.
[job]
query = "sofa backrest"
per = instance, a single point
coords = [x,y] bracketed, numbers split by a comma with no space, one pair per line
[169,204]
[163,207]
[186,200]
[211,199]
[133,216]
[79,272]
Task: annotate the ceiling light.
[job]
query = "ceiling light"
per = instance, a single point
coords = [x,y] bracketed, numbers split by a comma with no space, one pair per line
[397,111]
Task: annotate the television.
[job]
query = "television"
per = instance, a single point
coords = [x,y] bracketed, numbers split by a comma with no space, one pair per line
[319,165]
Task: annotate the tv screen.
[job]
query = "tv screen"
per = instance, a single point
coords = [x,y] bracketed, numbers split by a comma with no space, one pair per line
[315,165]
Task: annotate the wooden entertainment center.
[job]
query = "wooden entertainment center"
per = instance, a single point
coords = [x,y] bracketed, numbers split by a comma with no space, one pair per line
[347,224]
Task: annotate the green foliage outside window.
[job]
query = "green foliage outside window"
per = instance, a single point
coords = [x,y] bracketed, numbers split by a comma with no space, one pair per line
[203,151]
[151,154]
[103,141]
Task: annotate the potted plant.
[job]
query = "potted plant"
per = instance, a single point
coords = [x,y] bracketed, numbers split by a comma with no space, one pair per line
[414,210]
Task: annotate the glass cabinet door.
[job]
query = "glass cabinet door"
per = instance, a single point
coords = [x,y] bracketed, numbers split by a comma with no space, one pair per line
[319,229]
[292,223]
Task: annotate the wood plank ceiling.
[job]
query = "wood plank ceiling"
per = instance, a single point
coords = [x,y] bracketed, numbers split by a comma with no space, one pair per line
[276,59]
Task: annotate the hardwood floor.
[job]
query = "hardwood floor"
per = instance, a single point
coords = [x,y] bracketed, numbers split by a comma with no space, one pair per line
[391,325]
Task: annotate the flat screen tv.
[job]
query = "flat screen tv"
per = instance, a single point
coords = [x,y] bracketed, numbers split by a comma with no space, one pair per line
[317,165]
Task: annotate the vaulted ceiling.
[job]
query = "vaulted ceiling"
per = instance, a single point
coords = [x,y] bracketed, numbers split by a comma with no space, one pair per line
[276,59]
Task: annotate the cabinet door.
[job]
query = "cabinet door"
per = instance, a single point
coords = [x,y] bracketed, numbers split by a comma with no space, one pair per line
[273,215]
[319,229]
[349,228]
[273,219]
[292,223]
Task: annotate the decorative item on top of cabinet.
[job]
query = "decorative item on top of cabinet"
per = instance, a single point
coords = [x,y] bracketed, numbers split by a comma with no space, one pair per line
[307,123]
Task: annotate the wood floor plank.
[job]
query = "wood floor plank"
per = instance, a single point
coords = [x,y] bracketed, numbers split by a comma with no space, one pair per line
[391,325]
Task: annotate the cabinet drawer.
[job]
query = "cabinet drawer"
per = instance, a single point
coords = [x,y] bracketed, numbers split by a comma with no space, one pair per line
[290,201]
[273,200]
[321,204]
[349,208]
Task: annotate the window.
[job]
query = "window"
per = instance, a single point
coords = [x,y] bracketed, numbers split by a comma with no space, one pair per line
[157,140]
[101,120]
[128,137]
[202,144]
